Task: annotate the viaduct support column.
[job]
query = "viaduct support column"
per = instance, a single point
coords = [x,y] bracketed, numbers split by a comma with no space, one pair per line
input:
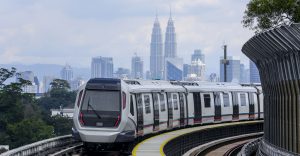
[276,54]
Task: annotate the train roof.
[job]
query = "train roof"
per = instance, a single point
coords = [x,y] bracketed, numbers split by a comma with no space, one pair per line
[152,86]
[181,86]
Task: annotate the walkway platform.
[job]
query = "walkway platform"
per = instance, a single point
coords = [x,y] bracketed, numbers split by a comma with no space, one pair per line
[154,146]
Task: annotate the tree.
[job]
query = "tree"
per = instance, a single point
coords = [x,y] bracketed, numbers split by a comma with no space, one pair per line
[28,131]
[62,125]
[60,84]
[261,15]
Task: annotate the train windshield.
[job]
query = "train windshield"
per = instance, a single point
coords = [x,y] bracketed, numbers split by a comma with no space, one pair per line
[102,100]
[100,108]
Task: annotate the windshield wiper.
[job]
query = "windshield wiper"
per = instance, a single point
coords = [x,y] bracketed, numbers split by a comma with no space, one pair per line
[90,106]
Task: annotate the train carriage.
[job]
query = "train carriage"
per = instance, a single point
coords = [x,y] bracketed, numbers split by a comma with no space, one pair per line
[114,111]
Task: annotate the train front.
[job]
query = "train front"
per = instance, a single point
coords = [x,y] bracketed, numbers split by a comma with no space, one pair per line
[101,115]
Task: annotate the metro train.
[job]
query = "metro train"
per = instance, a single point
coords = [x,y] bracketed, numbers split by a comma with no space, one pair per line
[113,111]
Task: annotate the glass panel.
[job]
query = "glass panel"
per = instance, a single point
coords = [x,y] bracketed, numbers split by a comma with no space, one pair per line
[147,104]
[206,100]
[243,99]
[175,101]
[102,100]
[131,106]
[226,100]
[162,102]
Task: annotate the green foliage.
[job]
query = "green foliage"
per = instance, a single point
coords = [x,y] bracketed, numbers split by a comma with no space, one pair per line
[23,119]
[28,131]
[60,84]
[62,125]
[261,15]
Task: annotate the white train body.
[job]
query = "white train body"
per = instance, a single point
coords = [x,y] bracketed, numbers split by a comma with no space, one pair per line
[119,111]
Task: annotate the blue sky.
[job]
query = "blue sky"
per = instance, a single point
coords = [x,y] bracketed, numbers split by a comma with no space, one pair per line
[73,31]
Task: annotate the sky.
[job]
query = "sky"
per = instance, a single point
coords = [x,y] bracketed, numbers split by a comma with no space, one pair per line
[74,31]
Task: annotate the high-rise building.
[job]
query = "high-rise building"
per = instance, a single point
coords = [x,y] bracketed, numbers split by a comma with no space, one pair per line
[197,72]
[122,73]
[29,76]
[156,52]
[243,78]
[67,73]
[254,73]
[137,66]
[233,69]
[46,83]
[102,67]
[170,40]
[197,67]
[174,69]
[186,70]
[148,75]
[198,55]
[76,83]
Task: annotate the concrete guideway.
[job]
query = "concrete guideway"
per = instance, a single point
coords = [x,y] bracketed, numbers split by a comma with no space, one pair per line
[154,146]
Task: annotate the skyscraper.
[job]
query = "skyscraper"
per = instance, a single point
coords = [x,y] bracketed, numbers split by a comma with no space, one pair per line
[198,55]
[122,73]
[254,73]
[67,73]
[102,67]
[156,52]
[233,69]
[29,76]
[137,67]
[170,39]
[46,83]
[174,69]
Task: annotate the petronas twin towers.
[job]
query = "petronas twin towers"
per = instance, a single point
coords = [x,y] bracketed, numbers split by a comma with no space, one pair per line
[157,57]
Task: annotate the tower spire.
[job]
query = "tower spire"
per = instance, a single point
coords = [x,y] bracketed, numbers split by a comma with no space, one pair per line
[170,11]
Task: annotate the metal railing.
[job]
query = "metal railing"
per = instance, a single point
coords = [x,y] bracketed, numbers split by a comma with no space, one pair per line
[250,148]
[43,147]
[180,145]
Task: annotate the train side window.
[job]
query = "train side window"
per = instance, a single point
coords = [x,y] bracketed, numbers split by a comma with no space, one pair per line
[226,100]
[155,101]
[131,106]
[251,98]
[162,102]
[147,104]
[175,101]
[217,99]
[206,100]
[243,99]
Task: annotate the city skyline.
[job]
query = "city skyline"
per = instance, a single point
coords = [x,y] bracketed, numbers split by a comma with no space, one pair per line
[29,40]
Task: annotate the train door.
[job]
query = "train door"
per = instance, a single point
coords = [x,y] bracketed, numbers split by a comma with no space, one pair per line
[235,114]
[218,111]
[156,111]
[243,106]
[197,108]
[182,105]
[261,105]
[226,107]
[170,110]
[208,109]
[256,105]
[163,113]
[176,110]
[133,111]
[148,113]
[140,114]
[251,106]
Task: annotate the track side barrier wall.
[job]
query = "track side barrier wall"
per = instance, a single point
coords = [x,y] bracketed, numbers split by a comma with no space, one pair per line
[181,144]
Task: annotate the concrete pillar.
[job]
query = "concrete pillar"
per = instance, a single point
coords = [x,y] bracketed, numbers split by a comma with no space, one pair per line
[276,54]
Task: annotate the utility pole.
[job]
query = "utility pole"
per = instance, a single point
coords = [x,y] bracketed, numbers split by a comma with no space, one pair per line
[225,62]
